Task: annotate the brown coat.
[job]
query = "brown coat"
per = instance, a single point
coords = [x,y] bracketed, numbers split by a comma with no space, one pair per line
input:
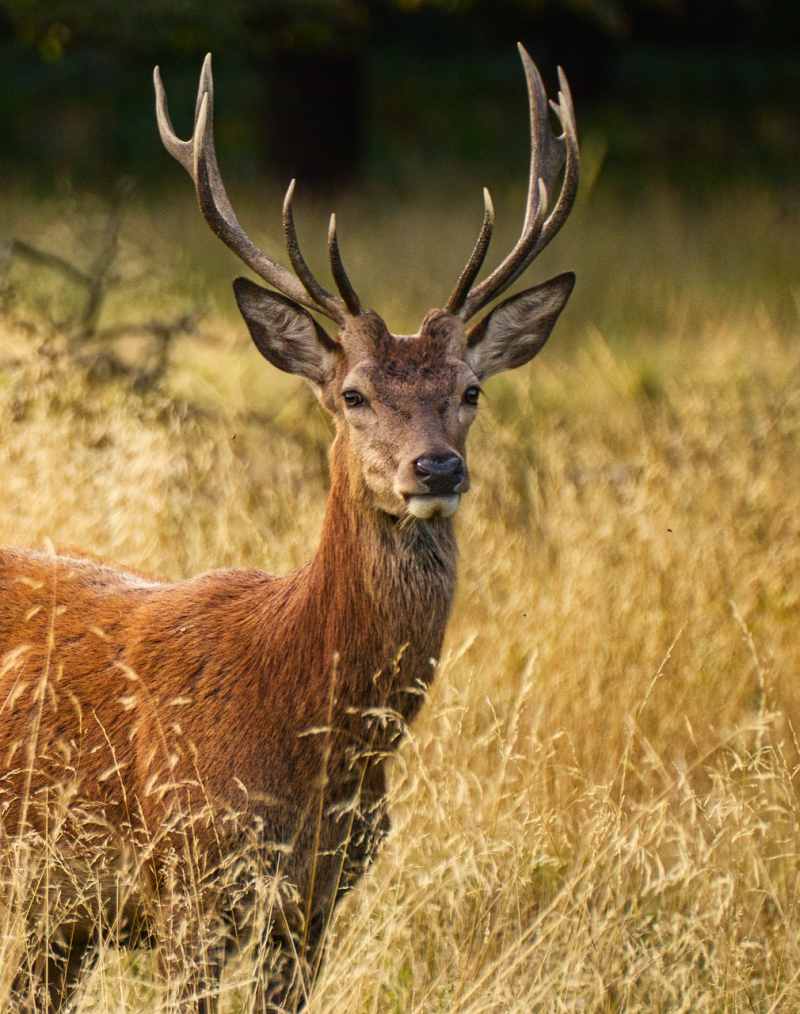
[188,718]
[122,686]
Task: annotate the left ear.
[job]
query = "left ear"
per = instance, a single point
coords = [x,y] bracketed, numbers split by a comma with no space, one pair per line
[284,332]
[516,330]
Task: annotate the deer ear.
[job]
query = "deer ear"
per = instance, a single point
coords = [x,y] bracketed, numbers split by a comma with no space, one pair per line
[284,332]
[516,330]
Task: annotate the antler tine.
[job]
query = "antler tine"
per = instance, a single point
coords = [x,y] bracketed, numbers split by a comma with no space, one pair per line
[549,154]
[321,297]
[470,272]
[547,151]
[180,150]
[198,157]
[569,188]
[343,284]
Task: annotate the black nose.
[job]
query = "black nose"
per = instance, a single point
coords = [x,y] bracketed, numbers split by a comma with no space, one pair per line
[441,473]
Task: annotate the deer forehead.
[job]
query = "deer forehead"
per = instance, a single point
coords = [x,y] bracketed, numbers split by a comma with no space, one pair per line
[425,365]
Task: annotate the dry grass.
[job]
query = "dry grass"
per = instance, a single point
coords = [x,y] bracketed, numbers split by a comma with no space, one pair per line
[597,810]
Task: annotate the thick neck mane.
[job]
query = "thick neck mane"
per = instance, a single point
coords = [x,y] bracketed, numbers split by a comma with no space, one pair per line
[375,598]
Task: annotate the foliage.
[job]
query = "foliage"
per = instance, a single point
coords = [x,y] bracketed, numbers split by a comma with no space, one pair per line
[185,26]
[192,26]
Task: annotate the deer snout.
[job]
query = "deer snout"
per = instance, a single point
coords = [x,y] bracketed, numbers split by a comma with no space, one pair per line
[442,473]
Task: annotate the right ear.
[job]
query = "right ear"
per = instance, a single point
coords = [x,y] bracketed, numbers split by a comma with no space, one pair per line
[515,331]
[285,333]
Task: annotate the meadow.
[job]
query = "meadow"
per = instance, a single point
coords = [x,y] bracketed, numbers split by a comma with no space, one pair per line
[597,809]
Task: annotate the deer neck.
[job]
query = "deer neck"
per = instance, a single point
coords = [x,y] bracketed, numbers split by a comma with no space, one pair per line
[381,588]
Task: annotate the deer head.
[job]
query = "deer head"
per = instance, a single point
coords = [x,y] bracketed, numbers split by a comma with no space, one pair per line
[402,404]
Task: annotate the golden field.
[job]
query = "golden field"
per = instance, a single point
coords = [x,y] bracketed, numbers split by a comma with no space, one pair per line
[597,809]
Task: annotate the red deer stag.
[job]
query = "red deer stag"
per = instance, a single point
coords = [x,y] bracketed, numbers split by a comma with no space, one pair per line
[256,705]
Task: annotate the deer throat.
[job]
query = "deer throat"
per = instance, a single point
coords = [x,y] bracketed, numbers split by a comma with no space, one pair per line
[386,586]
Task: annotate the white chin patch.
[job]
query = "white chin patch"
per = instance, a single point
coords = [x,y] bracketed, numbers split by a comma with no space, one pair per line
[430,506]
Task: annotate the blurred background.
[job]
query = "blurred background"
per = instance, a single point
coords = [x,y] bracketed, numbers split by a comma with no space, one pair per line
[395,113]
[699,92]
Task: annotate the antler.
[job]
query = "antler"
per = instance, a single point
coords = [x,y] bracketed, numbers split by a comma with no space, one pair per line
[548,155]
[199,159]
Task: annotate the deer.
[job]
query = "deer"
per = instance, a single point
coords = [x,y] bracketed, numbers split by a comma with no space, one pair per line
[185,718]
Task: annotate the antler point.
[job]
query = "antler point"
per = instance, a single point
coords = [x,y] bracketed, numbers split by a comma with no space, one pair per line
[202,115]
[549,154]
[287,201]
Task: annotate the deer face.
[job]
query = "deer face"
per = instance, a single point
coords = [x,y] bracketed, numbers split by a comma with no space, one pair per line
[403,404]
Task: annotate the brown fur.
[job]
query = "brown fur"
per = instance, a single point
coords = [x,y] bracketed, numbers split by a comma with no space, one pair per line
[186,717]
[158,731]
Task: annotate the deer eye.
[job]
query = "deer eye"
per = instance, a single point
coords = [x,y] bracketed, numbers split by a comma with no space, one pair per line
[471,395]
[352,399]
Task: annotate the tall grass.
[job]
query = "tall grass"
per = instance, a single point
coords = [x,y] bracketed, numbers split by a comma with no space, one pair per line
[597,809]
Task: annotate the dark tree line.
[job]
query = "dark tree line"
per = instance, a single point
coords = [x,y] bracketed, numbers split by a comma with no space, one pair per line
[304,63]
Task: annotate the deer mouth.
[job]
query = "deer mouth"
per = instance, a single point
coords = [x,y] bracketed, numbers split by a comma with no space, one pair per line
[432,505]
